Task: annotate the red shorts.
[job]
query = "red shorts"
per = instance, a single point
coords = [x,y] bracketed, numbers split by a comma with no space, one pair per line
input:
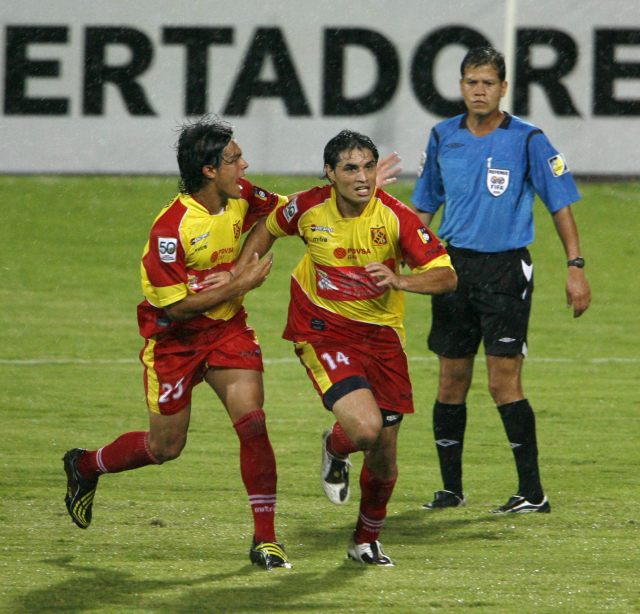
[337,366]
[174,364]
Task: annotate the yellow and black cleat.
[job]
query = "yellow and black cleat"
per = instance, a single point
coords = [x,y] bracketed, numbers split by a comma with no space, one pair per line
[80,492]
[269,555]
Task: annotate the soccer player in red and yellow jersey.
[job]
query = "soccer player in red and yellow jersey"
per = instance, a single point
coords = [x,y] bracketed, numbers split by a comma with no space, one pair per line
[346,318]
[195,329]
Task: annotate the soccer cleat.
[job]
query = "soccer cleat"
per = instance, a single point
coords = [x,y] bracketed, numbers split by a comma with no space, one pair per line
[369,554]
[269,555]
[519,505]
[334,474]
[80,492]
[445,498]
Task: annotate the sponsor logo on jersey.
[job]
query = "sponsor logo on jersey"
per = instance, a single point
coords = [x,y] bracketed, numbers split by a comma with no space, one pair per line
[497,181]
[221,252]
[454,145]
[290,210]
[379,235]
[558,165]
[424,235]
[168,249]
[198,238]
[349,252]
[316,228]
[324,283]
[237,229]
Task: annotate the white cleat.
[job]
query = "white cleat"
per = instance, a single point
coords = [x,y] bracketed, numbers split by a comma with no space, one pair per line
[334,474]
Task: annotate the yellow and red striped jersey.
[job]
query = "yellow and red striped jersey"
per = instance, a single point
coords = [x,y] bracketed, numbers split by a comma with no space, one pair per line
[331,274]
[187,243]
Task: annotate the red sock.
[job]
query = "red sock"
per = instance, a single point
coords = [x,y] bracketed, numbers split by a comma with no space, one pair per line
[258,470]
[339,443]
[129,451]
[373,505]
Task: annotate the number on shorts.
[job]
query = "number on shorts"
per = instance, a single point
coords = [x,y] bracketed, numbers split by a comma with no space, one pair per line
[173,392]
[340,358]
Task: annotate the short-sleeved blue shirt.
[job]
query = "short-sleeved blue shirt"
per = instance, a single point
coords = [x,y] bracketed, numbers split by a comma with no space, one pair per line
[488,183]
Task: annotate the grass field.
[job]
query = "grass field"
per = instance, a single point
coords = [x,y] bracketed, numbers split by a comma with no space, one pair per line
[175,538]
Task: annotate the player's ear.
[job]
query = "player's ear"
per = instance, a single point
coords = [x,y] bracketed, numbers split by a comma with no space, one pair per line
[329,173]
[209,171]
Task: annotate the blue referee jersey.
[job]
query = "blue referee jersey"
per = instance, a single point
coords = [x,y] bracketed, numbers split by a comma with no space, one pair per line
[488,183]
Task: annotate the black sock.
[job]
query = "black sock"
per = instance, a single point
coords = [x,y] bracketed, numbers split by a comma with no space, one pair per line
[449,422]
[520,425]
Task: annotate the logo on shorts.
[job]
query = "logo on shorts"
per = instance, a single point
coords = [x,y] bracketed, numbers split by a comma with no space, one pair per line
[168,249]
[497,181]
[379,236]
[558,165]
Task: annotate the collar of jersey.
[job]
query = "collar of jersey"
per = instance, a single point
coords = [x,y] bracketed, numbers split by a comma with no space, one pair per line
[504,124]
[190,202]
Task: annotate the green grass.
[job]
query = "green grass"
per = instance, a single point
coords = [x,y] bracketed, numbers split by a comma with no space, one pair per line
[175,538]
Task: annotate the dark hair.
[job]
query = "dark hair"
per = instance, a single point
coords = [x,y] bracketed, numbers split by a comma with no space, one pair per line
[481,56]
[346,140]
[200,144]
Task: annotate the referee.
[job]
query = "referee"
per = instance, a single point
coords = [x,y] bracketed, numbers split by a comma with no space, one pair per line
[485,166]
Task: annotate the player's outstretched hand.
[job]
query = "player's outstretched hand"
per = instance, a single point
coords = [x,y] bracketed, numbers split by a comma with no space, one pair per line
[387,170]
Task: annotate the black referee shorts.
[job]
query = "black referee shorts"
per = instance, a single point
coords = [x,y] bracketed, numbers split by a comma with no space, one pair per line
[492,304]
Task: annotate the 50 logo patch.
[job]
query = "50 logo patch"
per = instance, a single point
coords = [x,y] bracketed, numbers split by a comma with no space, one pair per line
[167,248]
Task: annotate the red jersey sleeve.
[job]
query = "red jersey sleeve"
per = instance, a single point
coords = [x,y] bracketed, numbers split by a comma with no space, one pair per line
[418,244]
[164,260]
[284,220]
[260,201]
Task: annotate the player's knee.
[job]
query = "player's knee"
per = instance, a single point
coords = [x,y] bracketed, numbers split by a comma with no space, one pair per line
[367,436]
[168,450]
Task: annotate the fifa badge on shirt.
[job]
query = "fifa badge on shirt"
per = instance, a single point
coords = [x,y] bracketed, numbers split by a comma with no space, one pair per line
[497,181]
[558,165]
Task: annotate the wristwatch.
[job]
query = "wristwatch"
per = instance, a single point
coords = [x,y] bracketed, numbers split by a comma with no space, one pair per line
[577,262]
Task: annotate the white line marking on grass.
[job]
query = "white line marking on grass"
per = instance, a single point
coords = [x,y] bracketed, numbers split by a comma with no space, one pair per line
[275,361]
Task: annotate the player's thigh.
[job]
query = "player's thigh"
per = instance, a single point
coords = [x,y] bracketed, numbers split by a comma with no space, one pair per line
[240,390]
[235,370]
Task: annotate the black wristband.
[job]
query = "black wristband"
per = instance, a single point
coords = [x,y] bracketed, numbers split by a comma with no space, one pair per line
[576,262]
